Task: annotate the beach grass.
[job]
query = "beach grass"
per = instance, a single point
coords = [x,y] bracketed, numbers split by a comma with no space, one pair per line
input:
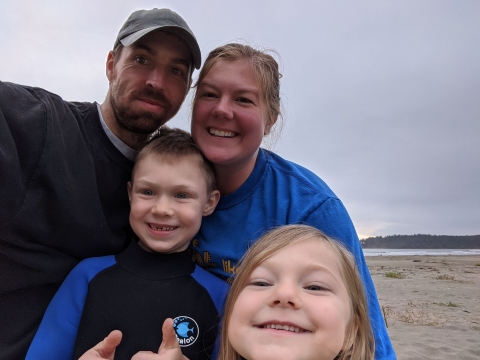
[450,304]
[445,277]
[395,275]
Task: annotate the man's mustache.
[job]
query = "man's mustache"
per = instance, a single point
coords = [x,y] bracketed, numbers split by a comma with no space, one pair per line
[154,96]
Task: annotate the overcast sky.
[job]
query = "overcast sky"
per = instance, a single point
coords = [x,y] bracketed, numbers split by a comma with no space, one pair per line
[382,98]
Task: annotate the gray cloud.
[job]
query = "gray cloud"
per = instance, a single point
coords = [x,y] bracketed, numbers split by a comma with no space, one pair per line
[382,97]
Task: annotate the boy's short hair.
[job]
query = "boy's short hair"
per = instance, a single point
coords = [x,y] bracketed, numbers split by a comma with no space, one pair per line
[176,144]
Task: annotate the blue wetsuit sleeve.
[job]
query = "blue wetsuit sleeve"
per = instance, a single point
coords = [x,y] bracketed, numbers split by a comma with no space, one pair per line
[333,219]
[57,333]
[218,291]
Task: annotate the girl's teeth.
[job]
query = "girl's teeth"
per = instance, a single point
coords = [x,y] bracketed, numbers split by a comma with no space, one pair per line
[283,327]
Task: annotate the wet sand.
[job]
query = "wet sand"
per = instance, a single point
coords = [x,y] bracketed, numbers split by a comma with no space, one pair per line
[431,305]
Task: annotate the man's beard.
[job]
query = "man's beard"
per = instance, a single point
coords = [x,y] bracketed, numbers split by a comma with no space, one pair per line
[141,122]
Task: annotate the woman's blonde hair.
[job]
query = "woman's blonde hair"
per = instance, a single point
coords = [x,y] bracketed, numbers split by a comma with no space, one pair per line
[266,71]
[359,341]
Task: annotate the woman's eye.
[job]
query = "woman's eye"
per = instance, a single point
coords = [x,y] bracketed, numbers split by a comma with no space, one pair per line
[245,100]
[208,95]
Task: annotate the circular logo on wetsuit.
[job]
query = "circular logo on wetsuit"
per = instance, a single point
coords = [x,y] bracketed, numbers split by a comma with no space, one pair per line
[186,330]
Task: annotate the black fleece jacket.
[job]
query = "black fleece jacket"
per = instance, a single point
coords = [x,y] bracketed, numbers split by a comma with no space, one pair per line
[63,198]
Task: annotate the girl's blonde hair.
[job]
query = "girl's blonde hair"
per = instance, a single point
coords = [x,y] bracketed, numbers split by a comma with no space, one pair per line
[359,341]
[266,71]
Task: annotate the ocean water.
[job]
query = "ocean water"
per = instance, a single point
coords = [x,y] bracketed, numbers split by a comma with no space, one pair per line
[403,252]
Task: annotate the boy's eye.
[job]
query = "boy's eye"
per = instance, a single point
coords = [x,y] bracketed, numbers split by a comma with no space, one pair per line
[147,192]
[182,196]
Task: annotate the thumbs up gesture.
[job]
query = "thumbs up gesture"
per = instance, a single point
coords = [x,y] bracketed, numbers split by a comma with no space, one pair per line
[169,348]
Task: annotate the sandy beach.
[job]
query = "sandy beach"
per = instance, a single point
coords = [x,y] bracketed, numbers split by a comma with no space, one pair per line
[431,304]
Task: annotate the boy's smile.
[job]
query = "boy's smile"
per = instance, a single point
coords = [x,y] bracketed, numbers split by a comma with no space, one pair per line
[168,198]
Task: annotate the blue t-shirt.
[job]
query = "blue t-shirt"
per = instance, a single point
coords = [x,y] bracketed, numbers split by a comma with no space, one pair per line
[279,192]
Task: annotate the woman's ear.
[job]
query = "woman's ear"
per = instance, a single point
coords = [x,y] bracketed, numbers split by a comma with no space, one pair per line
[269,125]
[212,202]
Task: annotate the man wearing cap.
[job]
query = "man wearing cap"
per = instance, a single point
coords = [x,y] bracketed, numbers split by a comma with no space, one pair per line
[64,166]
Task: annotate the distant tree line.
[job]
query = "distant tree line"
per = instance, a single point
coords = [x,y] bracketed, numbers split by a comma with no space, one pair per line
[421,241]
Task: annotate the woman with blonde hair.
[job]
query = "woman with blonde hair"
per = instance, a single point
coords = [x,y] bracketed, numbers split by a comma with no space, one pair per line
[236,105]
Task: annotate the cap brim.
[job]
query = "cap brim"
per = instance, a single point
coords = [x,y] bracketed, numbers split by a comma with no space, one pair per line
[177,30]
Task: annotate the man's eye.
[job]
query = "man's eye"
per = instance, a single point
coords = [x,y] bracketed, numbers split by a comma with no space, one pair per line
[141,60]
[176,71]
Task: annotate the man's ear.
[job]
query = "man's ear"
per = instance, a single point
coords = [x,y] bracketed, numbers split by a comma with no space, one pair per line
[212,202]
[110,66]
[129,189]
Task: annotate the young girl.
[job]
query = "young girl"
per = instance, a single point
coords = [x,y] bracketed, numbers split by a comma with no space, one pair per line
[297,295]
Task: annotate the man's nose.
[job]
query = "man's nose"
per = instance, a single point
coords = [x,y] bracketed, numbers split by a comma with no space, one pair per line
[156,78]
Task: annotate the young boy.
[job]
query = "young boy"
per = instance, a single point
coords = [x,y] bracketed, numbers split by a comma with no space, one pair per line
[172,188]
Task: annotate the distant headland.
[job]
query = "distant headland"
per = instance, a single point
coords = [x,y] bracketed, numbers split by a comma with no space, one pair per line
[421,241]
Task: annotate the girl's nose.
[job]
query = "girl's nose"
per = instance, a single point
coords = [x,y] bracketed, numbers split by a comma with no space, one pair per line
[286,295]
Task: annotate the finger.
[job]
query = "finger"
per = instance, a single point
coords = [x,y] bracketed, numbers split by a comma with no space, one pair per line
[107,347]
[169,340]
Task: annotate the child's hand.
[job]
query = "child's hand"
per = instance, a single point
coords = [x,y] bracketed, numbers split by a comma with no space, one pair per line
[169,348]
[104,350]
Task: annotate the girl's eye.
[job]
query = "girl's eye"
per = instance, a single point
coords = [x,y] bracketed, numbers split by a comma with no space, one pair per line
[259,283]
[316,288]
[147,192]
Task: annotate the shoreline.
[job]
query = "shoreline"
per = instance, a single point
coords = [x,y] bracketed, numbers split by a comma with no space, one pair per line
[431,304]
[419,252]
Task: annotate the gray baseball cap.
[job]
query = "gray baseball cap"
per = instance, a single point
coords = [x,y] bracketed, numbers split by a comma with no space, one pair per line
[141,22]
